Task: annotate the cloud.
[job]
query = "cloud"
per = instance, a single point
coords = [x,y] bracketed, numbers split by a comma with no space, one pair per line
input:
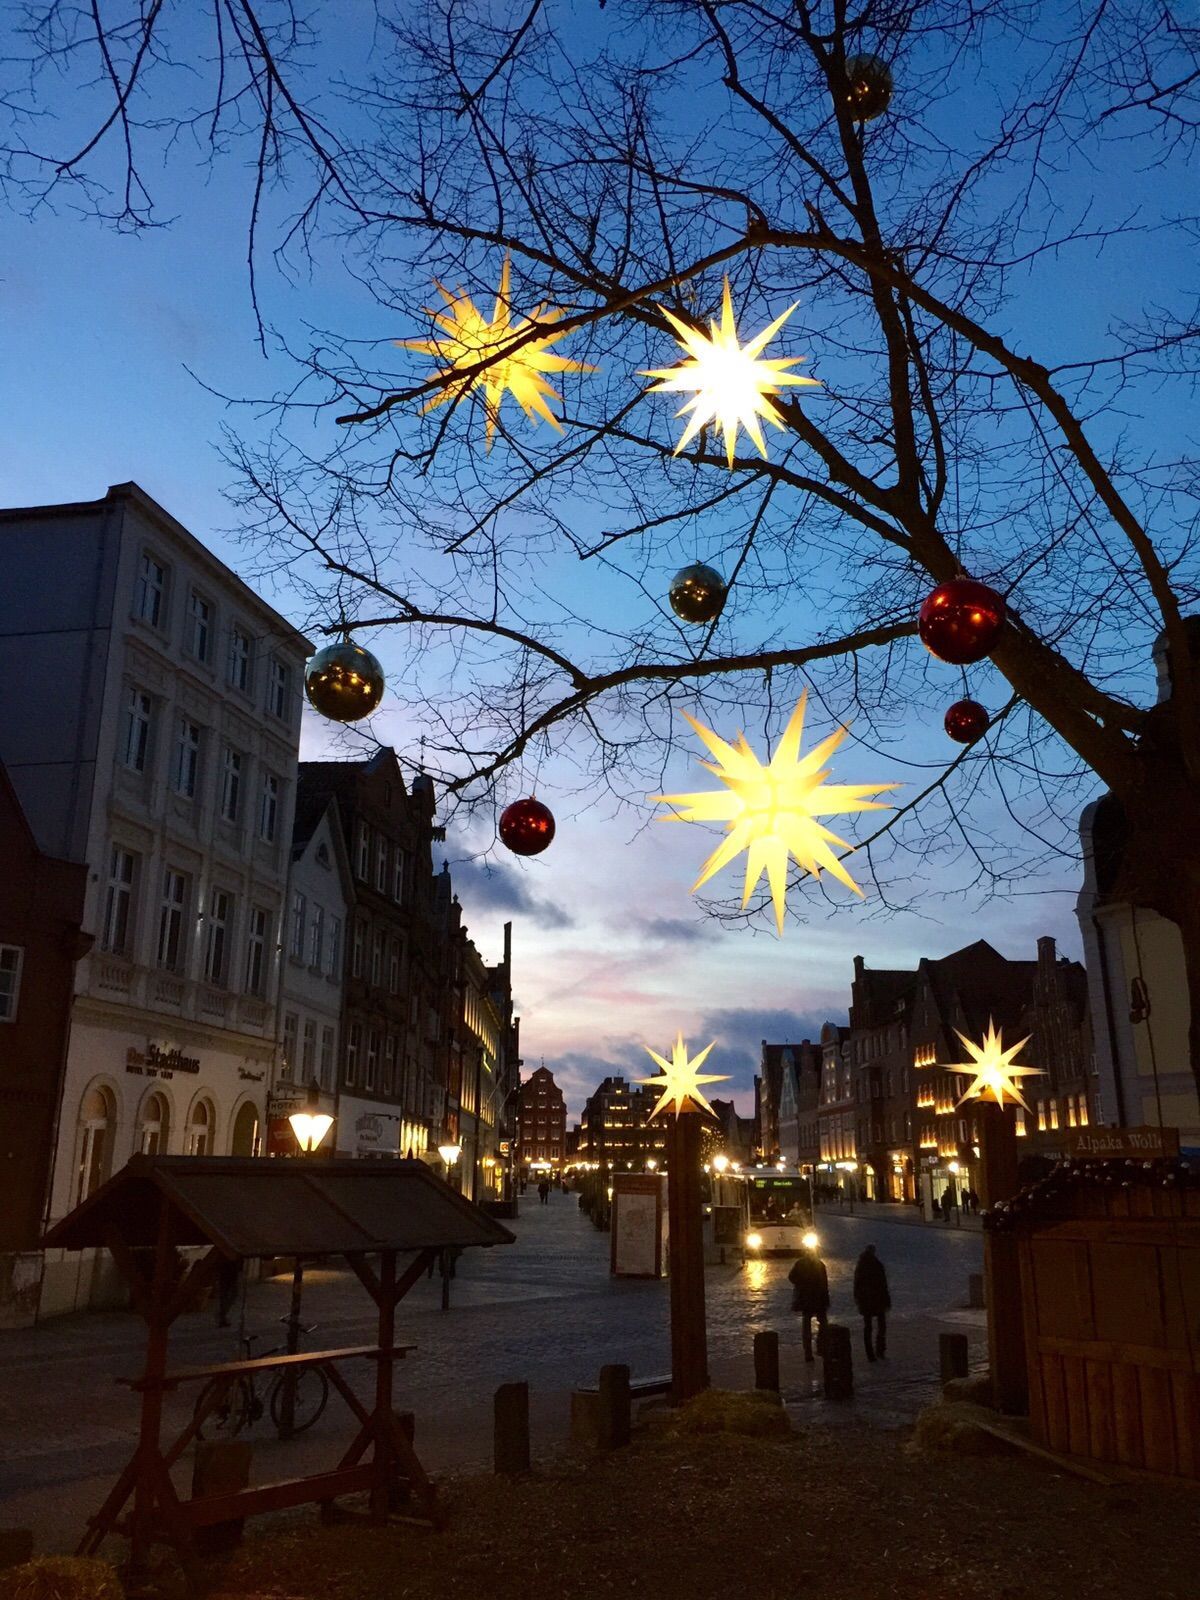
[740,1031]
[494,886]
[673,930]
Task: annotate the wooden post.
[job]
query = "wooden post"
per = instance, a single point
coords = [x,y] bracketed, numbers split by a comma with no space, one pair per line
[766,1360]
[141,1519]
[383,1454]
[1001,1262]
[689,1345]
[511,1424]
[838,1362]
[952,1355]
[287,1420]
[613,1430]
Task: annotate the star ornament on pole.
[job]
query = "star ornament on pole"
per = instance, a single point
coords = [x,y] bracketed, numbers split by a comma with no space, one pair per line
[495,356]
[994,1070]
[681,1079]
[734,385]
[770,811]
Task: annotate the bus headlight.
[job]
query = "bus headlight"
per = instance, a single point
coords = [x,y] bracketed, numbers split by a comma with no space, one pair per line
[754,1241]
[810,1240]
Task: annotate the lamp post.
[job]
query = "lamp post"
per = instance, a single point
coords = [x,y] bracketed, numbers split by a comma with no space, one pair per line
[449,1153]
[310,1127]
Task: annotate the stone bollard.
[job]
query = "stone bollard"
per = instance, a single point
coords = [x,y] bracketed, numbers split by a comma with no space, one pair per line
[766,1361]
[975,1298]
[952,1350]
[614,1419]
[221,1466]
[511,1416]
[838,1363]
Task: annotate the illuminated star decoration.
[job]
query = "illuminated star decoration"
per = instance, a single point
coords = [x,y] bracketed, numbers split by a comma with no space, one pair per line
[771,811]
[734,387]
[681,1079]
[471,341]
[993,1067]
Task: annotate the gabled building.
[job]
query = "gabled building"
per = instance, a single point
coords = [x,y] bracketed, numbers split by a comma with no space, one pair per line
[835,1111]
[615,1127]
[879,1046]
[799,1102]
[543,1120]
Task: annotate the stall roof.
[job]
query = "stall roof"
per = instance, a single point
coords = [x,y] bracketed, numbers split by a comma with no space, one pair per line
[250,1207]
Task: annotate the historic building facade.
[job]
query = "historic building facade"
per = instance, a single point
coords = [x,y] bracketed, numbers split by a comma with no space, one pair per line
[543,1120]
[615,1127]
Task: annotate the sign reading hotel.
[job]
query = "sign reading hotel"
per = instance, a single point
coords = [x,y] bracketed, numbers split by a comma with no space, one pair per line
[1114,1144]
[155,1062]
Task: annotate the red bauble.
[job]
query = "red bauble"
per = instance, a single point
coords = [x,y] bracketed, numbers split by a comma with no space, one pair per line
[526,827]
[967,721]
[961,620]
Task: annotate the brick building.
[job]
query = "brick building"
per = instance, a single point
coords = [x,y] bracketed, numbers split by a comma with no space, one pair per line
[615,1127]
[798,1118]
[543,1120]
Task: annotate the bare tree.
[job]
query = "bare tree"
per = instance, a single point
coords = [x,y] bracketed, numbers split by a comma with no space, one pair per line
[626,161]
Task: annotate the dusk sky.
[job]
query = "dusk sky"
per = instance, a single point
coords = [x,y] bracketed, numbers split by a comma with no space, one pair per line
[115,349]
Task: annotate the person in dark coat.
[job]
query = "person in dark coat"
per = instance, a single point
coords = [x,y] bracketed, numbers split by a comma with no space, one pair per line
[810,1296]
[544,1192]
[873,1300]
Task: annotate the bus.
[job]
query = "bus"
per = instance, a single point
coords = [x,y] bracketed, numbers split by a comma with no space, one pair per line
[778,1213]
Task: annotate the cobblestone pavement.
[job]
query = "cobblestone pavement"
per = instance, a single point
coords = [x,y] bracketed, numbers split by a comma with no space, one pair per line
[544,1310]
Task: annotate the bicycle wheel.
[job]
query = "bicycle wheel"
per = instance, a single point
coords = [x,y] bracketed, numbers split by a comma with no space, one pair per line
[231,1412]
[311,1393]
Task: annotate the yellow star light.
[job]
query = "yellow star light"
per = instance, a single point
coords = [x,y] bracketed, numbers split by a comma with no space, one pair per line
[993,1068]
[733,386]
[495,356]
[681,1079]
[771,811]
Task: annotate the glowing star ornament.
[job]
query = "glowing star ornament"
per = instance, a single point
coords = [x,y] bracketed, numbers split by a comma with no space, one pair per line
[733,385]
[681,1079]
[495,356]
[994,1071]
[771,811]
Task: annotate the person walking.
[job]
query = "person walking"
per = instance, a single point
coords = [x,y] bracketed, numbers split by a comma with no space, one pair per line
[810,1295]
[873,1300]
[544,1192]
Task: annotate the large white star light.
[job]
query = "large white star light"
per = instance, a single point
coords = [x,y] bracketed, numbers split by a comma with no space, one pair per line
[771,811]
[733,385]
[993,1068]
[681,1079]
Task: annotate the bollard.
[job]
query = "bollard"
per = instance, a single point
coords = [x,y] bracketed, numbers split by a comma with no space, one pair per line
[613,1429]
[766,1361]
[511,1416]
[952,1350]
[975,1298]
[838,1363]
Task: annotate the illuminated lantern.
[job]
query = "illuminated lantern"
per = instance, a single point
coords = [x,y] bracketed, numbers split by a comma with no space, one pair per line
[961,621]
[993,1068]
[698,593]
[526,827]
[967,721]
[868,90]
[344,682]
[681,1079]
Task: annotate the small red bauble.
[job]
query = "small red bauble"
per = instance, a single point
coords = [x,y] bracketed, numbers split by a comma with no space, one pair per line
[961,620]
[526,827]
[967,721]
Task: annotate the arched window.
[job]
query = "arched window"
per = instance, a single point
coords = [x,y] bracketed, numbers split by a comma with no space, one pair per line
[245,1131]
[198,1141]
[154,1126]
[96,1118]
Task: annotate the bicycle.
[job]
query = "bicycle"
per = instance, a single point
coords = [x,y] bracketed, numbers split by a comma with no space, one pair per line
[240,1405]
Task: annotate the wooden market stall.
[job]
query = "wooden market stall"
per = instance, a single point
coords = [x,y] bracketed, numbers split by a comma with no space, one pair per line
[389,1221]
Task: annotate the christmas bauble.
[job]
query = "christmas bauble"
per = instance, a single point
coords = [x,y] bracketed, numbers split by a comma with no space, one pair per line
[967,721]
[344,682]
[697,593]
[868,90]
[961,620]
[526,827]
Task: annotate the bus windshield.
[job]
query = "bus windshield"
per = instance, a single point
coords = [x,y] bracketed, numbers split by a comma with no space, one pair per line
[778,1199]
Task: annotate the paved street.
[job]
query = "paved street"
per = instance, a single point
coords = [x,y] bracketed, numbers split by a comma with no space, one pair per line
[544,1310]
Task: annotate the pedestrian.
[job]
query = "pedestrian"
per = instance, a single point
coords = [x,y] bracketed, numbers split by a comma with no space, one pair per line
[935,1207]
[229,1279]
[544,1192]
[873,1300]
[810,1295]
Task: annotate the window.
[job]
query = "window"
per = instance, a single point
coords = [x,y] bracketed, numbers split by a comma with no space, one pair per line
[389,1064]
[1054,1113]
[316,937]
[297,940]
[118,902]
[353,1045]
[135,747]
[291,1033]
[327,1040]
[333,946]
[199,1137]
[394,967]
[1041,1116]
[398,874]
[381,854]
[151,592]
[268,808]
[308,1051]
[199,626]
[11,957]
[364,851]
[216,945]
[95,1122]
[356,953]
[241,659]
[1083,1111]
[1070,1104]
[377,961]
[278,686]
[154,1126]
[171,933]
[258,932]
[187,758]
[231,784]
[372,1058]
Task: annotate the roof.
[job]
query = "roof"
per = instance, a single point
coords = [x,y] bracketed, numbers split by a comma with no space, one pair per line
[251,1207]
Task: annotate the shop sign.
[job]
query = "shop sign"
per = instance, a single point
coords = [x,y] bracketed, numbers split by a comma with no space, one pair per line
[155,1062]
[1114,1144]
[368,1130]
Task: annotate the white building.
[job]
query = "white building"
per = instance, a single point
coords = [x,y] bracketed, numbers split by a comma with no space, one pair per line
[151,730]
[320,898]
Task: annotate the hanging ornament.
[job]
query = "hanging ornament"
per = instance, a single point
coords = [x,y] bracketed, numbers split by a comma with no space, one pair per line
[961,621]
[681,1079]
[698,593]
[495,356]
[344,682]
[992,1068]
[770,811]
[733,386]
[868,87]
[967,721]
[526,827]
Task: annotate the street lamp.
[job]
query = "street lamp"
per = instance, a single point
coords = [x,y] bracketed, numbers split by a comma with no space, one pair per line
[449,1154]
[651,1164]
[310,1125]
[720,1163]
